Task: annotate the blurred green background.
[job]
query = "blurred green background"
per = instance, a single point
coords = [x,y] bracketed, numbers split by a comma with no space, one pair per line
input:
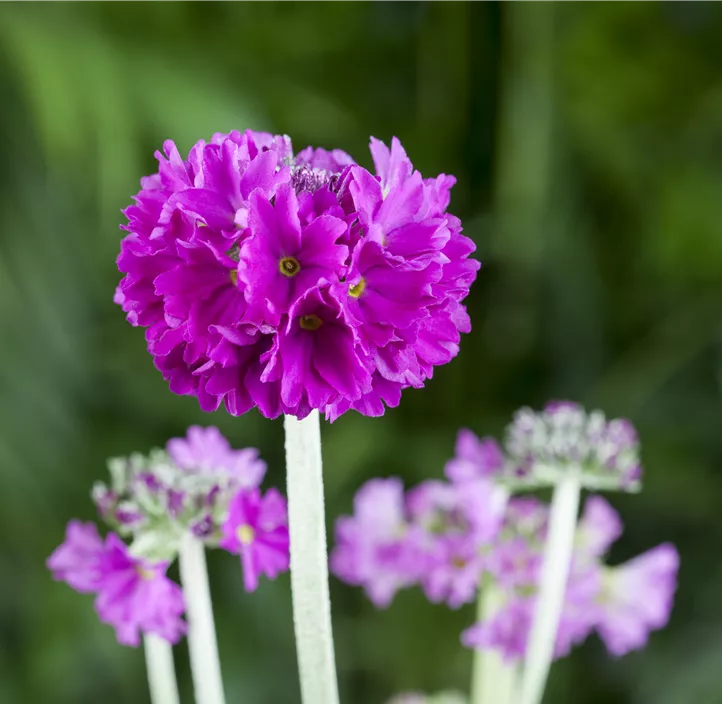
[587,141]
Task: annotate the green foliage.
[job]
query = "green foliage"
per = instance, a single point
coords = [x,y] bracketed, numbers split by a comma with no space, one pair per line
[587,140]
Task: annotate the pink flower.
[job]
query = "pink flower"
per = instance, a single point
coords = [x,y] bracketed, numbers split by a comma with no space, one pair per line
[373,547]
[637,598]
[474,458]
[257,530]
[77,561]
[135,596]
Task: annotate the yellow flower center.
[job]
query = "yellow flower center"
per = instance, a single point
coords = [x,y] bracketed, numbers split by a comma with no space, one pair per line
[357,289]
[246,534]
[145,573]
[233,274]
[310,322]
[289,266]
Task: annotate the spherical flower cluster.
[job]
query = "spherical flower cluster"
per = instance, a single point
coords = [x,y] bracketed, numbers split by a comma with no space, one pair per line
[439,698]
[132,595]
[187,487]
[447,536]
[541,446]
[198,485]
[292,283]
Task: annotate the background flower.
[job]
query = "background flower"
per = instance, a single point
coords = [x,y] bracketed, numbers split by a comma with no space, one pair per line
[257,529]
[132,595]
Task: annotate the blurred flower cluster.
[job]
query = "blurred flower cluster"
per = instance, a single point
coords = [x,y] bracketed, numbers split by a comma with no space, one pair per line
[458,536]
[294,282]
[439,698]
[199,486]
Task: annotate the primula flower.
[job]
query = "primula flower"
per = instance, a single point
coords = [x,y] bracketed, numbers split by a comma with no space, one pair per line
[257,529]
[374,548]
[206,451]
[290,283]
[439,698]
[474,458]
[78,560]
[637,598]
[133,595]
[454,526]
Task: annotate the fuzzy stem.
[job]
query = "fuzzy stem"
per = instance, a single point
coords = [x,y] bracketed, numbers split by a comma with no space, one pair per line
[509,683]
[552,587]
[161,671]
[493,679]
[205,664]
[309,562]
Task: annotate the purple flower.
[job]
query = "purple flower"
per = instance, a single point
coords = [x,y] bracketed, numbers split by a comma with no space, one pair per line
[515,563]
[236,254]
[206,451]
[637,598]
[508,629]
[474,458]
[78,560]
[202,448]
[315,358]
[257,529]
[282,260]
[453,571]
[373,547]
[135,596]
[598,528]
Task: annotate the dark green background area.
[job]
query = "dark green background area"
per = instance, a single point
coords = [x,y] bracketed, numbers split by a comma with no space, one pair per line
[587,142]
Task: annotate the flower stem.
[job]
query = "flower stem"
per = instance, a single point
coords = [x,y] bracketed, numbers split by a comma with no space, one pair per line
[553,582]
[205,664]
[309,562]
[161,671]
[493,679]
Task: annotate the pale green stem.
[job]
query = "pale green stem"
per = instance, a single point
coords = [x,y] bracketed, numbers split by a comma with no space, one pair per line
[552,586]
[493,679]
[205,663]
[161,671]
[309,561]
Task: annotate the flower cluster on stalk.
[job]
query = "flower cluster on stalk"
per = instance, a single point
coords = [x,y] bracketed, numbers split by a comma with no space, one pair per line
[294,282]
[455,536]
[439,698]
[197,485]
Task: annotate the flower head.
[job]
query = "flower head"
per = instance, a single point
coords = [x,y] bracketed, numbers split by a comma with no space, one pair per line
[292,282]
[188,487]
[257,529]
[565,437]
[439,698]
